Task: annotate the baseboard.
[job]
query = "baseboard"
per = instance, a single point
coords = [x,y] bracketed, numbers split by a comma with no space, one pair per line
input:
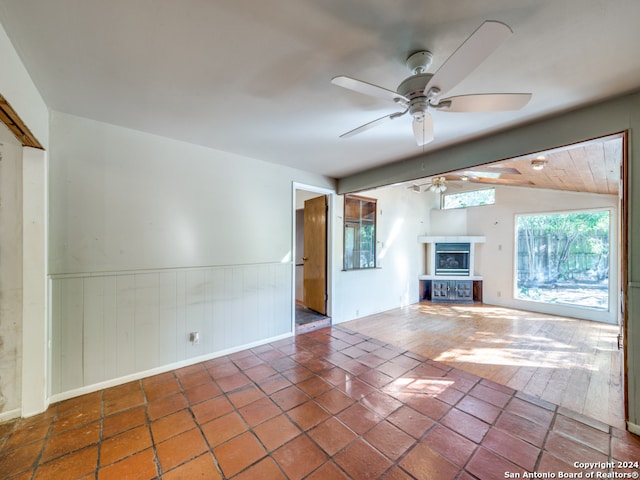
[10,415]
[58,397]
[633,428]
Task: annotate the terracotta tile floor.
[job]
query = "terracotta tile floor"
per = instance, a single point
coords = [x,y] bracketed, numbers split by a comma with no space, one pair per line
[327,404]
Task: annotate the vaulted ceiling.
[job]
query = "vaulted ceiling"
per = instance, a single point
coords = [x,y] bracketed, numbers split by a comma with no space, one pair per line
[253,78]
[589,167]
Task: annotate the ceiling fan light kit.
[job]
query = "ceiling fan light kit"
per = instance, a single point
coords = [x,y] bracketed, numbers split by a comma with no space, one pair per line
[422,91]
[438,185]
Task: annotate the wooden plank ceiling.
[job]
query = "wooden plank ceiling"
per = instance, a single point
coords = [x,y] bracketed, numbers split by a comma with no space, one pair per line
[592,167]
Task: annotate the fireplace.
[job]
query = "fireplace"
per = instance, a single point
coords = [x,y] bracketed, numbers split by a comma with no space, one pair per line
[452,258]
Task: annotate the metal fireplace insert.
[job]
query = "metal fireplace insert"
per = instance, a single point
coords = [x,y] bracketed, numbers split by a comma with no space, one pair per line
[453,258]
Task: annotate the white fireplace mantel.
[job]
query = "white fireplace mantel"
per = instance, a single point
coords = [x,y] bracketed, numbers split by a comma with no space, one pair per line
[472,239]
[452,239]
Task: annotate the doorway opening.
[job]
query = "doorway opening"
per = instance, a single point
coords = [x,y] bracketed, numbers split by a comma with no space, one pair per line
[533,262]
[311,258]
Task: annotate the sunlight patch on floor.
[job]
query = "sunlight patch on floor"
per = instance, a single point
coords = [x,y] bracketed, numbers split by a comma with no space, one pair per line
[425,386]
[487,311]
[518,358]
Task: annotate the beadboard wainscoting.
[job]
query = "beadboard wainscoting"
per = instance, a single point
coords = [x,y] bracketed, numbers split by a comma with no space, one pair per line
[110,327]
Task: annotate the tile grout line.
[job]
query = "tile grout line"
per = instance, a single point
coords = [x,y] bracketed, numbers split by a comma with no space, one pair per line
[416,441]
[546,437]
[249,429]
[329,458]
[479,444]
[36,462]
[394,463]
[199,425]
[156,458]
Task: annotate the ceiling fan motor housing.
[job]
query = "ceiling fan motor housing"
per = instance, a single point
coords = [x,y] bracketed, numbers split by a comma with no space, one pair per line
[413,89]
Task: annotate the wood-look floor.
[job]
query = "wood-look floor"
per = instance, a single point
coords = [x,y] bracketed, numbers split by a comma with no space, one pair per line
[572,363]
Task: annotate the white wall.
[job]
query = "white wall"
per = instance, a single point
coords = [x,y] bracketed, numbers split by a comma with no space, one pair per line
[151,239]
[10,270]
[403,215]
[18,88]
[494,259]
[22,383]
[126,200]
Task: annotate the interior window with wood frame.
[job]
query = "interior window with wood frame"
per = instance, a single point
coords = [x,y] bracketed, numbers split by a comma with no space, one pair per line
[359,232]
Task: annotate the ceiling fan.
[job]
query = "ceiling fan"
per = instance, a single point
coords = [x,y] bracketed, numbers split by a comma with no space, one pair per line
[488,174]
[423,91]
[438,184]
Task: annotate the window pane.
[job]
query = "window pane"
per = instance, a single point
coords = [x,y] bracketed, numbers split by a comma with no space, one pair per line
[564,258]
[359,233]
[473,198]
[349,246]
[367,247]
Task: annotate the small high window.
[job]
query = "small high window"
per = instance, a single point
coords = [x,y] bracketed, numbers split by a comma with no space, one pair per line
[359,232]
[473,198]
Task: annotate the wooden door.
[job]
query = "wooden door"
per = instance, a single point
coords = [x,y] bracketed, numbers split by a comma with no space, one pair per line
[314,283]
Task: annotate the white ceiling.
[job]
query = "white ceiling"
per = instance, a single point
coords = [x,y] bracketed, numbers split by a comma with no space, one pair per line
[253,77]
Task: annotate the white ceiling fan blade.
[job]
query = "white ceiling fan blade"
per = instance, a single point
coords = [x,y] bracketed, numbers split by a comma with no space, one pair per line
[369,89]
[423,129]
[372,124]
[482,43]
[486,102]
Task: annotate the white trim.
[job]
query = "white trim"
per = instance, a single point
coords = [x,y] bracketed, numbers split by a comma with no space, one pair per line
[331,194]
[449,277]
[633,428]
[109,273]
[433,240]
[452,239]
[35,326]
[9,415]
[58,397]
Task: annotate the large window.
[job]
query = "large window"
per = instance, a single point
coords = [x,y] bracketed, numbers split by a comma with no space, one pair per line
[359,232]
[473,198]
[563,258]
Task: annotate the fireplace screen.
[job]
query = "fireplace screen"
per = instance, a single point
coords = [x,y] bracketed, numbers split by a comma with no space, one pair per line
[452,258]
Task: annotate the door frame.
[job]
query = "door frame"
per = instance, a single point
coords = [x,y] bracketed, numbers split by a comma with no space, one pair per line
[331,196]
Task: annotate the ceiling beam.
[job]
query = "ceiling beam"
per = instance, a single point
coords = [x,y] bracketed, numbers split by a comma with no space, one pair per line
[599,120]
[12,120]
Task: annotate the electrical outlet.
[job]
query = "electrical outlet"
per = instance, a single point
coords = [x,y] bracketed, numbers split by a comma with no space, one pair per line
[194,337]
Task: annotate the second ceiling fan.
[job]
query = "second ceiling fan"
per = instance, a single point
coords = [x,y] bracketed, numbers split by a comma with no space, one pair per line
[423,91]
